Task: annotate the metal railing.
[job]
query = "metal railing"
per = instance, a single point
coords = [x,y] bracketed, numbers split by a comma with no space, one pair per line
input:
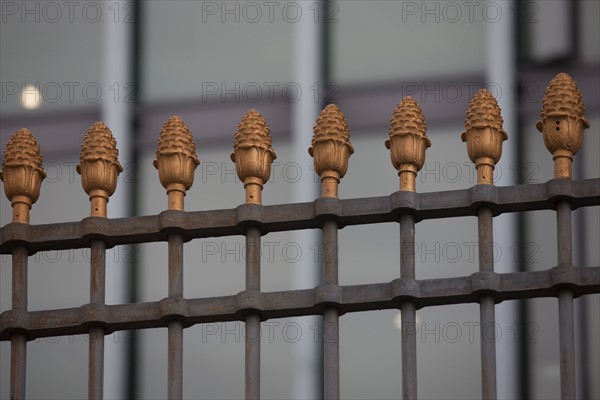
[562,125]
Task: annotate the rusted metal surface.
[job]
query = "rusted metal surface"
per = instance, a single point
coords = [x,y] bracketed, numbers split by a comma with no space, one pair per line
[96,363]
[252,337]
[276,218]
[566,323]
[331,324]
[97,298]
[377,296]
[175,360]
[175,328]
[487,307]
[252,349]
[408,309]
[18,341]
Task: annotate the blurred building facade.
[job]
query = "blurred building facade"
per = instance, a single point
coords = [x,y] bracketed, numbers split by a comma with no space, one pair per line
[65,65]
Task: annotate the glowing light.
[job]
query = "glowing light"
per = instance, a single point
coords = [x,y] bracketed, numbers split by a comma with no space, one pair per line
[31,98]
[398,320]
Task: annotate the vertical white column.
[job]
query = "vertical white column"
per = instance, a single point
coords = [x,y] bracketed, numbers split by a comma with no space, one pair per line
[307,67]
[501,80]
[116,113]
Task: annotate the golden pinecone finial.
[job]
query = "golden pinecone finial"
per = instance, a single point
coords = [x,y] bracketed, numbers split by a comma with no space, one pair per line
[253,154]
[22,173]
[562,122]
[99,167]
[484,134]
[176,160]
[407,141]
[331,148]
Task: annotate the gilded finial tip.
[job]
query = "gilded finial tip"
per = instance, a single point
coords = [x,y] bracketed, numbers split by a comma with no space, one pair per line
[22,173]
[331,148]
[23,149]
[176,160]
[253,154]
[99,144]
[175,137]
[99,166]
[484,134]
[563,98]
[407,141]
[483,111]
[562,122]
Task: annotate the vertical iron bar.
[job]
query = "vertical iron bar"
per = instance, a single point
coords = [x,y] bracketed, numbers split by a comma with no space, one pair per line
[567,344]
[331,339]
[175,328]
[96,334]
[252,373]
[488,346]
[487,306]
[18,345]
[582,329]
[408,310]
[566,328]
[564,241]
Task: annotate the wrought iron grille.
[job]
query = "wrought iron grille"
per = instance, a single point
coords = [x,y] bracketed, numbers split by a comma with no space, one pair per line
[562,125]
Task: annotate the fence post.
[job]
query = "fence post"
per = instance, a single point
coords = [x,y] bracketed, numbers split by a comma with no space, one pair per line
[176,162]
[99,167]
[22,174]
[407,144]
[562,124]
[484,136]
[253,156]
[331,150]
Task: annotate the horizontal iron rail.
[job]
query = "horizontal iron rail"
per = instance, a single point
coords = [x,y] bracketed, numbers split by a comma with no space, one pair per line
[379,296]
[286,217]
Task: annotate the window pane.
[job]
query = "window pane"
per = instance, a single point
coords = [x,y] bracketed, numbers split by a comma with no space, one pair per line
[56,47]
[195,47]
[407,39]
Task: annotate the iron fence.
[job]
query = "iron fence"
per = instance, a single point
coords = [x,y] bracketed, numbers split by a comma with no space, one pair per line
[562,125]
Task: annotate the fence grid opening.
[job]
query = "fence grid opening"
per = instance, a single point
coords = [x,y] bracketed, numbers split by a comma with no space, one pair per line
[562,125]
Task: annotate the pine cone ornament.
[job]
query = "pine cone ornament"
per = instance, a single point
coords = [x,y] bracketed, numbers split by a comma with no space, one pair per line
[331,125]
[99,166]
[483,111]
[253,154]
[23,150]
[407,141]
[176,160]
[331,148]
[407,118]
[22,173]
[562,122]
[175,138]
[562,97]
[484,134]
[99,144]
